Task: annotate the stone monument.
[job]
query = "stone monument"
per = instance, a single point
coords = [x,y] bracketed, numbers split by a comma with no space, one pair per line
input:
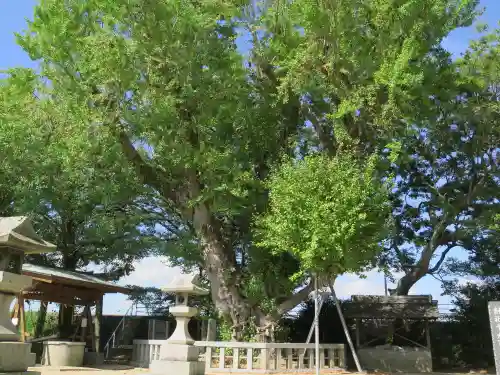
[178,355]
[17,238]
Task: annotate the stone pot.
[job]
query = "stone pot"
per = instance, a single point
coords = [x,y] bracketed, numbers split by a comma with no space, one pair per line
[63,353]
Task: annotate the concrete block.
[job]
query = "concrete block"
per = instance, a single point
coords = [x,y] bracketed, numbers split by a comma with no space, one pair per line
[179,352]
[159,367]
[31,359]
[15,356]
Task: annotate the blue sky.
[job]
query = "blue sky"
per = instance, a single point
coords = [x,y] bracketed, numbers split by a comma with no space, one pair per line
[152,272]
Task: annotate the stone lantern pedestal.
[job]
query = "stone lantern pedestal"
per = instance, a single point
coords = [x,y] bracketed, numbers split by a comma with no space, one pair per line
[17,238]
[178,355]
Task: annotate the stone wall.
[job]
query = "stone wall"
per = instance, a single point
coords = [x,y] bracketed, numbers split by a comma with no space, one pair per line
[396,359]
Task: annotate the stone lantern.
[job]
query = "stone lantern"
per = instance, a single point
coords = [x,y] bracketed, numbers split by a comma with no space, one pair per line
[178,354]
[17,238]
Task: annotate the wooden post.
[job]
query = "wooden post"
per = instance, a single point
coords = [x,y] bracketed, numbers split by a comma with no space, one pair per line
[77,328]
[358,326]
[92,330]
[98,324]
[428,334]
[22,317]
[85,315]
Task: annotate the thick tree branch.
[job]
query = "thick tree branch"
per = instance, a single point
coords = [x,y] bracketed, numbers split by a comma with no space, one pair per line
[295,299]
[425,258]
[149,175]
[441,259]
[326,141]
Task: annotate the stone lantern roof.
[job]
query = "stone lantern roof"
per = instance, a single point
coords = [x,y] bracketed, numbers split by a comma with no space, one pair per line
[185,284]
[16,232]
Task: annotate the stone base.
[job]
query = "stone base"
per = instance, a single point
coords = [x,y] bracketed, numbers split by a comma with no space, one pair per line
[179,352]
[93,359]
[159,367]
[15,357]
[178,359]
[21,373]
[395,359]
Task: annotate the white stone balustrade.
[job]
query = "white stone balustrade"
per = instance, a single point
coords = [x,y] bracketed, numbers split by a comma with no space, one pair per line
[251,357]
[145,351]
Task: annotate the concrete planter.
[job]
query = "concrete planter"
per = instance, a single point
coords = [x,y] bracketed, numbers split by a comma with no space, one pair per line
[63,353]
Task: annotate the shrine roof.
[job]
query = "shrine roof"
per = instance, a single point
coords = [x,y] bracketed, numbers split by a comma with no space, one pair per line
[71,278]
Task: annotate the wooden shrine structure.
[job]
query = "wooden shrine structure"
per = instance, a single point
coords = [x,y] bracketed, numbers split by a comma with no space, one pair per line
[68,288]
[383,311]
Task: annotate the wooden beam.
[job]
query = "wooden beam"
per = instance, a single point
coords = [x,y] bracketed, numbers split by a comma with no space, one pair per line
[61,299]
[92,285]
[42,279]
[61,290]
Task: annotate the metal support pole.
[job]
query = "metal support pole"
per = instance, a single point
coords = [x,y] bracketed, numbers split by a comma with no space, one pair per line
[316,315]
[346,330]
[313,324]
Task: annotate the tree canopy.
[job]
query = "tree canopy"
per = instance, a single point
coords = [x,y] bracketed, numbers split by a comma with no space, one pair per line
[329,214]
[185,111]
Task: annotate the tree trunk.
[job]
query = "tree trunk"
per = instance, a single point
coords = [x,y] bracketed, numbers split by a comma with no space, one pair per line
[40,321]
[66,312]
[221,273]
[405,283]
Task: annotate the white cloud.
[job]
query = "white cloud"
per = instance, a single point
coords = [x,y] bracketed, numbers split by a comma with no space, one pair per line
[151,272]
[148,272]
[154,272]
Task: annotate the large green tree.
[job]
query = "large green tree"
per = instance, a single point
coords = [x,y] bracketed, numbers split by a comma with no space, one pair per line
[203,99]
[88,206]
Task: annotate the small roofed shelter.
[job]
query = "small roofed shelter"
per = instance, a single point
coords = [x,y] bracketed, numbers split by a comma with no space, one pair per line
[389,318]
[73,289]
[67,287]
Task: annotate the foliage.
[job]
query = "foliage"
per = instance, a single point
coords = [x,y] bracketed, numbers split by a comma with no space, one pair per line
[328,213]
[153,299]
[447,194]
[50,325]
[471,332]
[88,206]
[181,111]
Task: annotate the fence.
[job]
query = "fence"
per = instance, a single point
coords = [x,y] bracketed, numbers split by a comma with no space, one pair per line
[251,357]
[145,351]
